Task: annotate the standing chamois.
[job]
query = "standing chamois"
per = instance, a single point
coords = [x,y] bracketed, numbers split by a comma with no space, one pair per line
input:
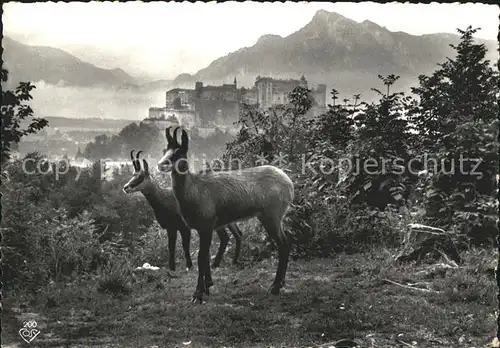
[208,201]
[168,215]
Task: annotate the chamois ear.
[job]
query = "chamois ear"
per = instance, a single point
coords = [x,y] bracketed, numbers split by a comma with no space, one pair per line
[134,161]
[184,140]
[146,167]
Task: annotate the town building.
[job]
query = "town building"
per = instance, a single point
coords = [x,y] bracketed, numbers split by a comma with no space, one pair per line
[217,104]
[184,96]
[220,105]
[271,92]
[249,96]
[157,112]
[174,117]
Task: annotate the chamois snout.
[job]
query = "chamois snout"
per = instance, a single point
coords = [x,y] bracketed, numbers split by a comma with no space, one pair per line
[164,167]
[126,188]
[165,163]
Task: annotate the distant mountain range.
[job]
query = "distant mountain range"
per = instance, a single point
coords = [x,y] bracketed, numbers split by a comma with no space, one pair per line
[58,67]
[55,66]
[330,49]
[334,50]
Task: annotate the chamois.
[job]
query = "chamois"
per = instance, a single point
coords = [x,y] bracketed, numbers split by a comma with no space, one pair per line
[167,214]
[208,201]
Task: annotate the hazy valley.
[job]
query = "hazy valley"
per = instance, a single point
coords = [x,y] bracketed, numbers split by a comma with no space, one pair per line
[331,49]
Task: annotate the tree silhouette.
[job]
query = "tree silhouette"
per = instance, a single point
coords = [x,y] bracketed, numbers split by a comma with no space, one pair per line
[14,111]
[334,93]
[356,100]
[388,81]
[463,89]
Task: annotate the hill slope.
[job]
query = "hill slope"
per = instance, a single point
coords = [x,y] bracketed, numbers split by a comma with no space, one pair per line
[55,66]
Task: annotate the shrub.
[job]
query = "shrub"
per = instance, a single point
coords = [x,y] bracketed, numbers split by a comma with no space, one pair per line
[114,278]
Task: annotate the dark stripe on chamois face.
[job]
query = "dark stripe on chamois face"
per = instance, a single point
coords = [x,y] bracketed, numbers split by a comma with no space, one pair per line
[137,179]
[177,155]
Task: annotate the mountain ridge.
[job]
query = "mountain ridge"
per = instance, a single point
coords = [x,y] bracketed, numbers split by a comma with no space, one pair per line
[328,46]
[330,49]
[56,66]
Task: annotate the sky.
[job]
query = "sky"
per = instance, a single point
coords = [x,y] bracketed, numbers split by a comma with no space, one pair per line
[162,39]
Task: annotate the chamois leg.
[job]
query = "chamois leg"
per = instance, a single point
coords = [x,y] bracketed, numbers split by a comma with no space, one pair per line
[273,228]
[172,240]
[208,276]
[203,264]
[288,246]
[237,234]
[186,242]
[224,239]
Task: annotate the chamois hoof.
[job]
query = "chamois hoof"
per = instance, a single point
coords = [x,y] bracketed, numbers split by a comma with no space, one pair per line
[274,289]
[197,297]
[216,263]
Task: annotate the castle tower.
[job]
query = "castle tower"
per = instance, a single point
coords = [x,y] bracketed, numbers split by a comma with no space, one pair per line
[198,88]
[234,82]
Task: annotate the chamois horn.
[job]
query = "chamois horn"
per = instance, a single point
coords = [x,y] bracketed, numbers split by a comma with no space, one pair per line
[184,139]
[137,156]
[167,134]
[175,136]
[132,155]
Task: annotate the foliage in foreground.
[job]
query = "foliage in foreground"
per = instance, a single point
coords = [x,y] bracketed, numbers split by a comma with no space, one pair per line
[15,109]
[358,168]
[54,226]
[347,296]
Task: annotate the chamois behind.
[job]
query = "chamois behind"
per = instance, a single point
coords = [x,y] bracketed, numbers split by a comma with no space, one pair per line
[208,201]
[166,210]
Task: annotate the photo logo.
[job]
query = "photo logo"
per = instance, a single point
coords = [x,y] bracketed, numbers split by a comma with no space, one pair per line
[29,331]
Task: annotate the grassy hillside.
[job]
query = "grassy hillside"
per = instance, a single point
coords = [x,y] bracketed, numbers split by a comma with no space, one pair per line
[325,300]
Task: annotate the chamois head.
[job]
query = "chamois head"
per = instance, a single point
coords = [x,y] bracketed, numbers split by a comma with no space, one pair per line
[141,175]
[175,152]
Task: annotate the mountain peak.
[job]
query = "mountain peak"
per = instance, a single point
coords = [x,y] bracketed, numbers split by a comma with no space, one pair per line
[268,39]
[329,22]
[325,16]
